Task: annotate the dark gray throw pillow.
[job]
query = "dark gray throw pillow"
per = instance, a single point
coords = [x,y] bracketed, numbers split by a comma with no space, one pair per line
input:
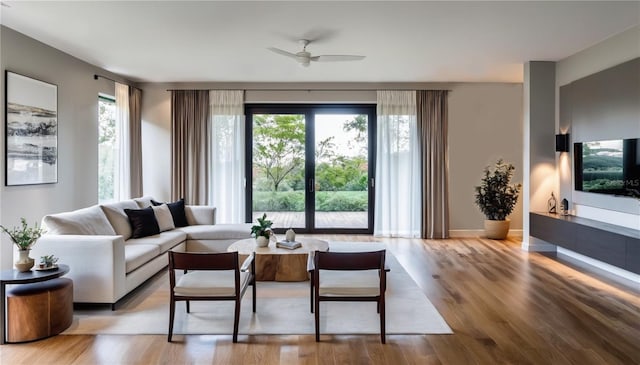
[177,212]
[143,222]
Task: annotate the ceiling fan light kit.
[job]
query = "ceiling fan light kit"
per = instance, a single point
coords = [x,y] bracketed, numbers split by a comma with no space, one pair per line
[304,58]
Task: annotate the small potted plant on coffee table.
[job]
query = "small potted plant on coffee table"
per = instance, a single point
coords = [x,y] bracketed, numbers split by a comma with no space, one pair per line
[47,262]
[262,231]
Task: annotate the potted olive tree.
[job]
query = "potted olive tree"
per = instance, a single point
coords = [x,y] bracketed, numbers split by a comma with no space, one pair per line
[496,197]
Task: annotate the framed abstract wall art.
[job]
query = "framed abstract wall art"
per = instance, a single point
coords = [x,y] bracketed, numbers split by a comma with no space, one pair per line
[31,131]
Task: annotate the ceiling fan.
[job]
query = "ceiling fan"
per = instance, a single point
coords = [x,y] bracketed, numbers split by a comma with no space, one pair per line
[304,58]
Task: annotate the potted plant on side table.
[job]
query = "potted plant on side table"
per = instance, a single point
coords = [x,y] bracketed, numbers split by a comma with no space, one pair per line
[24,238]
[262,231]
[496,197]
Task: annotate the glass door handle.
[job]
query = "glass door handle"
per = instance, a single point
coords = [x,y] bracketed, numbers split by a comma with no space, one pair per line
[311,185]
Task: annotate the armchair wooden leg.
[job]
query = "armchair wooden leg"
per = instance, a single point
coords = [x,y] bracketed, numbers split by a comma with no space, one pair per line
[317,315]
[172,308]
[254,294]
[188,308]
[311,289]
[236,320]
[383,331]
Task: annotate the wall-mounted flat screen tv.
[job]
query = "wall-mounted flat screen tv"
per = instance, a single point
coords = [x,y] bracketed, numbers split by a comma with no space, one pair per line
[608,167]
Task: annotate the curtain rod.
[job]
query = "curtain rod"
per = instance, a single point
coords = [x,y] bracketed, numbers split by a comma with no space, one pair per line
[307,90]
[96,76]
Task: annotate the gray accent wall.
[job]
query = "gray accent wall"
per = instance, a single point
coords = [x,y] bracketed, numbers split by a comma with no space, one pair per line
[605,106]
[77,133]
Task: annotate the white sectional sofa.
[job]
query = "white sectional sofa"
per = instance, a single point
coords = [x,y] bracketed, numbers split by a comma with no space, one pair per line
[107,263]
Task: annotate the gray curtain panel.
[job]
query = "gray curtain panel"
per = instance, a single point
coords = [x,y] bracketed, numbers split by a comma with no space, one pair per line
[189,145]
[135,133]
[432,128]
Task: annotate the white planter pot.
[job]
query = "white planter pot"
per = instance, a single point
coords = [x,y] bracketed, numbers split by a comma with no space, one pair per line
[24,263]
[262,241]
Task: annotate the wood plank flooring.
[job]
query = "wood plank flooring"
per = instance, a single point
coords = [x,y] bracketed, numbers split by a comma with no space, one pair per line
[505,306]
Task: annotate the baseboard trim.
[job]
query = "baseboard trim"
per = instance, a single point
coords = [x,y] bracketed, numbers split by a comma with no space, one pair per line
[537,245]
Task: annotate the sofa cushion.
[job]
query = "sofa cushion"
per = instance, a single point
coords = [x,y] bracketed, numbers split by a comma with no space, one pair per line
[143,222]
[164,217]
[217,231]
[143,202]
[164,240]
[177,212]
[200,214]
[118,218]
[85,221]
[137,255]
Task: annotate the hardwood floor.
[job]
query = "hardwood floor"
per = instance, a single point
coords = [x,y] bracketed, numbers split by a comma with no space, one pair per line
[505,306]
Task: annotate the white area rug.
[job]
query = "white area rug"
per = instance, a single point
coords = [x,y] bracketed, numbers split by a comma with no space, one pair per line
[282,308]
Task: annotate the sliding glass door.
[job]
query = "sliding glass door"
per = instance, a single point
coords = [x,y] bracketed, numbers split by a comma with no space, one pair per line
[278,168]
[310,166]
[341,171]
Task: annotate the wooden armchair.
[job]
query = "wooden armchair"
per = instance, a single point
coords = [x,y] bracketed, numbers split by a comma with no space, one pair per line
[210,276]
[366,280]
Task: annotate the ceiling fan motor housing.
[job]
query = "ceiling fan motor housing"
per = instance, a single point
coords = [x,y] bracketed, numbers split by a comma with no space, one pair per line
[304,58]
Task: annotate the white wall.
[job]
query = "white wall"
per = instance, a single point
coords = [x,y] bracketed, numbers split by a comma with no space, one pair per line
[77,133]
[156,143]
[539,140]
[485,123]
[613,51]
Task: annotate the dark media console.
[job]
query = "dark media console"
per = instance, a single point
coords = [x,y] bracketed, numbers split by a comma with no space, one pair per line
[615,245]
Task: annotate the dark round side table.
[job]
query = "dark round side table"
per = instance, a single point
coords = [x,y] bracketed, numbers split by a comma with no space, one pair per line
[10,277]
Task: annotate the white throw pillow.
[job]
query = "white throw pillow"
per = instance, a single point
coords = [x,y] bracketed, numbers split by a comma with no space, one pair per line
[164,217]
[118,218]
[85,221]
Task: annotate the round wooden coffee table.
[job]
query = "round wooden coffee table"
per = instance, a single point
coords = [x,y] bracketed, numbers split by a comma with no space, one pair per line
[280,264]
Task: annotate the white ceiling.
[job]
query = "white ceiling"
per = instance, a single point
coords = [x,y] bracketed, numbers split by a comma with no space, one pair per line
[417,41]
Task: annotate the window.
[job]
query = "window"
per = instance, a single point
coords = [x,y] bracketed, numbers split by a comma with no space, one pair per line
[107,148]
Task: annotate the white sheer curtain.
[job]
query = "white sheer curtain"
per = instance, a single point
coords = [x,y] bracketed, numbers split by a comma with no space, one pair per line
[398,193]
[227,155]
[122,178]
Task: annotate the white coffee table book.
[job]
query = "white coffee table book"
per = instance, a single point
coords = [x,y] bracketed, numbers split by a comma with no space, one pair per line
[291,245]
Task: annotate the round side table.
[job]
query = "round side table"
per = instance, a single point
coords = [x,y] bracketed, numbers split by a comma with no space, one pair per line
[12,277]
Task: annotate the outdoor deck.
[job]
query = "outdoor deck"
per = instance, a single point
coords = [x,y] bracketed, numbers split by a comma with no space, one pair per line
[323,219]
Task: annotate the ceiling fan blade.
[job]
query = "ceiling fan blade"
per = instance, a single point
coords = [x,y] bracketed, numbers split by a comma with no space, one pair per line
[336,58]
[281,52]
